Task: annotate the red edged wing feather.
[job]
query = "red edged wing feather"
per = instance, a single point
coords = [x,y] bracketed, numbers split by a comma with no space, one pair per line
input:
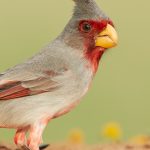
[17,89]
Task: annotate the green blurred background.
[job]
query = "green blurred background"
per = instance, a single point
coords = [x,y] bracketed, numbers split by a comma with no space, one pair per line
[121,88]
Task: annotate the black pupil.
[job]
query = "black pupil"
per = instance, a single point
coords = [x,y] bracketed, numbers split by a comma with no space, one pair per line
[86,27]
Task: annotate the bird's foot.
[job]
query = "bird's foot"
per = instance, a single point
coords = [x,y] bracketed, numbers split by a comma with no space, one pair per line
[34,142]
[24,147]
[35,135]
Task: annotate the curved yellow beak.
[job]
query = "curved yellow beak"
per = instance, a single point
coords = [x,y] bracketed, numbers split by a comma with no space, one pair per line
[107,38]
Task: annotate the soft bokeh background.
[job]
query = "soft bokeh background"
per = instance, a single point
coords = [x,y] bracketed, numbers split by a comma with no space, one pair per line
[121,88]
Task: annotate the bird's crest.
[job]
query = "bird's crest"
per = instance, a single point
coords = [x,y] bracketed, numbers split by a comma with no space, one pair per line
[88,9]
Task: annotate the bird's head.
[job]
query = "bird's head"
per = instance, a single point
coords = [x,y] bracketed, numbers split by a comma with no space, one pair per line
[90,31]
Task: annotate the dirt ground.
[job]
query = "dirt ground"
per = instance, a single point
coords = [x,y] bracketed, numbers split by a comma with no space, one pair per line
[83,147]
[100,147]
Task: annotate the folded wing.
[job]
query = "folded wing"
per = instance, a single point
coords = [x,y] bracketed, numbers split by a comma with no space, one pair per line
[16,89]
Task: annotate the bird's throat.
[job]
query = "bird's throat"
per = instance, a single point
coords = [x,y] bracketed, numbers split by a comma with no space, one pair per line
[94,57]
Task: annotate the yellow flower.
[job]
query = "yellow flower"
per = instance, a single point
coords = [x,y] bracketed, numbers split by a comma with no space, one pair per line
[76,136]
[112,131]
[140,139]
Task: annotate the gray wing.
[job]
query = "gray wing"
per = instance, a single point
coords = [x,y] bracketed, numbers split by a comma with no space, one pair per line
[35,76]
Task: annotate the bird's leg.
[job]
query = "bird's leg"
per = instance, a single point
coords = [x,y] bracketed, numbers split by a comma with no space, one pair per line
[35,135]
[20,137]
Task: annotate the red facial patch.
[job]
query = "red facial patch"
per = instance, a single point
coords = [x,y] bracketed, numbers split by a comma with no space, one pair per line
[92,53]
[96,26]
[94,56]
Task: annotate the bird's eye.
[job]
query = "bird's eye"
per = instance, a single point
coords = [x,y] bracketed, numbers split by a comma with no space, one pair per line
[86,27]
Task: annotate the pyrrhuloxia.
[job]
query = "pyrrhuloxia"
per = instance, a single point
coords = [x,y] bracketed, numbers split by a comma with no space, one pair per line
[52,82]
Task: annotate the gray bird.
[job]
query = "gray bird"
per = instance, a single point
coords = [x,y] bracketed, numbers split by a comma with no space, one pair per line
[53,81]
